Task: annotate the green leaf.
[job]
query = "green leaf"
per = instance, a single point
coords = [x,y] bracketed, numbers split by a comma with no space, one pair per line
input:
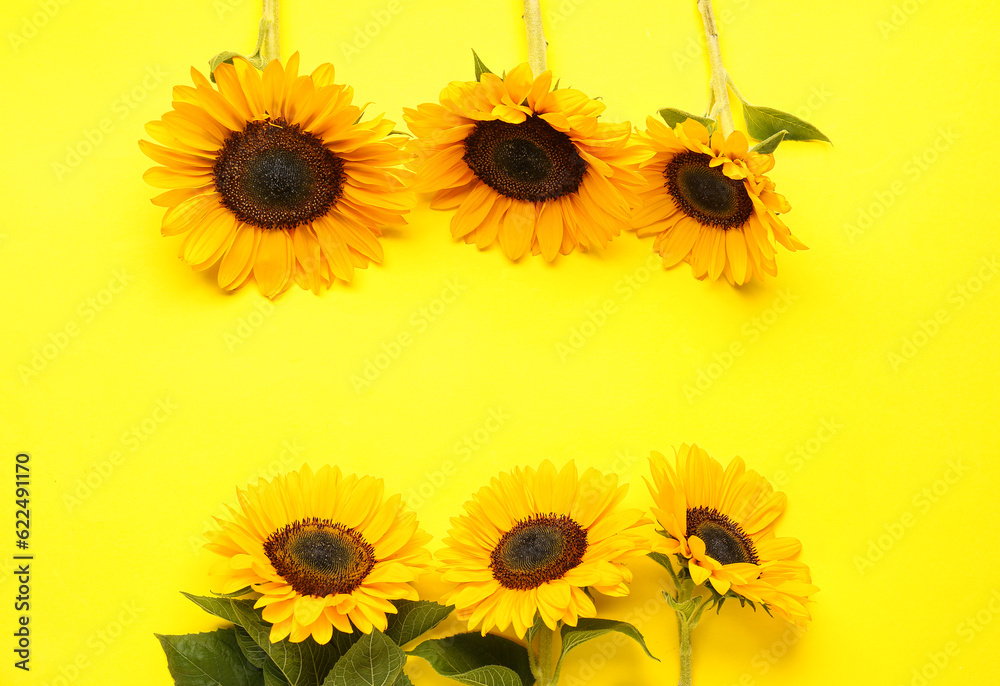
[590,628]
[235,594]
[373,661]
[479,66]
[221,607]
[402,680]
[211,659]
[253,652]
[769,145]
[302,664]
[474,659]
[299,664]
[413,618]
[673,117]
[764,122]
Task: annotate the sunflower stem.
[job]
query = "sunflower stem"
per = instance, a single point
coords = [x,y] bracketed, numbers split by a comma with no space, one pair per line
[684,629]
[268,37]
[536,36]
[720,77]
[545,672]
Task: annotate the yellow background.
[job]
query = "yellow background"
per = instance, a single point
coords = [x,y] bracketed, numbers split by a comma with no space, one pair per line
[156,395]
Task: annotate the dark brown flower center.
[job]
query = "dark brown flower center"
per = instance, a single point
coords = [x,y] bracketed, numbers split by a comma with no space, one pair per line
[536,550]
[724,540]
[276,176]
[319,557]
[530,161]
[705,193]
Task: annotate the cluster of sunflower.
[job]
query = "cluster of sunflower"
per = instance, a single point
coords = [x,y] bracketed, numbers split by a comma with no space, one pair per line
[317,569]
[277,176]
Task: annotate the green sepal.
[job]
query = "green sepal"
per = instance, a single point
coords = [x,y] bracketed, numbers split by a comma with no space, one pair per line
[246,590]
[224,57]
[593,627]
[764,122]
[479,66]
[209,659]
[686,608]
[769,145]
[478,660]
[673,117]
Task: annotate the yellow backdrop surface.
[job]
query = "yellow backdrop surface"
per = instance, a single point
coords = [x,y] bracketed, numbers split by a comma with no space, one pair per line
[862,380]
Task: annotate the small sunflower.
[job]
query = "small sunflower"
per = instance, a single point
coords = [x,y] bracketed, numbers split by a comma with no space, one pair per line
[534,542]
[708,203]
[324,551]
[273,175]
[721,522]
[528,167]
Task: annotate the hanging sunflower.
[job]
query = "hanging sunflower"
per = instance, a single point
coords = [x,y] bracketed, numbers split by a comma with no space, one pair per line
[274,175]
[324,550]
[721,522]
[534,542]
[528,167]
[708,203]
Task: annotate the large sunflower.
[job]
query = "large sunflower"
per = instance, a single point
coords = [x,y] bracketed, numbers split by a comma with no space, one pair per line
[527,166]
[708,203]
[534,542]
[721,524]
[274,176]
[323,550]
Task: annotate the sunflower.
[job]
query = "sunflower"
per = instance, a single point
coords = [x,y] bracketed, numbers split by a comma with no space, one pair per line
[324,551]
[274,175]
[708,203]
[534,542]
[721,524]
[527,166]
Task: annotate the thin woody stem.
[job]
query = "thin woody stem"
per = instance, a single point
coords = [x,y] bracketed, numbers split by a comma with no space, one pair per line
[720,77]
[536,36]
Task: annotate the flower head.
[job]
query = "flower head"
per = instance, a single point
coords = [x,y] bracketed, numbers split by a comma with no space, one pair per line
[721,524]
[528,167]
[708,203]
[273,176]
[534,542]
[324,550]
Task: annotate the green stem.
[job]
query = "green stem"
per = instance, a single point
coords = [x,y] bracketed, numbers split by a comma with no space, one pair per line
[720,77]
[536,36]
[543,668]
[684,629]
[269,39]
